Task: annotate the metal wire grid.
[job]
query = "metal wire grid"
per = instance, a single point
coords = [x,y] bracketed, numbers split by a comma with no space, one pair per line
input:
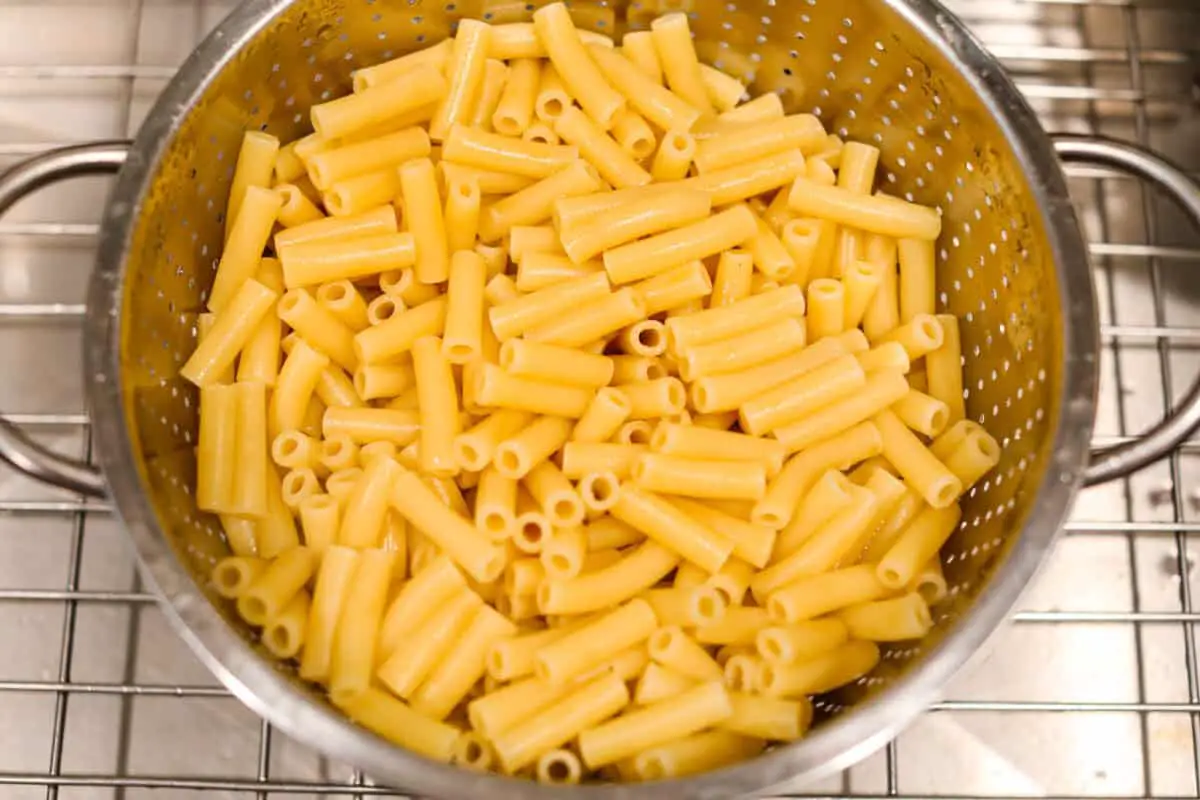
[99,699]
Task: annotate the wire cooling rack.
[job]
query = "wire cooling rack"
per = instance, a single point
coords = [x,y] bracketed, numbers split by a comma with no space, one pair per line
[1094,691]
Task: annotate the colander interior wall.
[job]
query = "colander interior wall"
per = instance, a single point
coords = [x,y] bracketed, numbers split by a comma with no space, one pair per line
[855,63]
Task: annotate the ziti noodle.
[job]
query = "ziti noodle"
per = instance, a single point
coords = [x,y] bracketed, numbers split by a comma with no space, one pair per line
[572,434]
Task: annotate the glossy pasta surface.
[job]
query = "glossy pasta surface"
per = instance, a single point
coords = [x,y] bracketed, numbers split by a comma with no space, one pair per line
[568,415]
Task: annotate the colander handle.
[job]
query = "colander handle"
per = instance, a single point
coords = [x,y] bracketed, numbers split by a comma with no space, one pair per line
[1159,441]
[24,179]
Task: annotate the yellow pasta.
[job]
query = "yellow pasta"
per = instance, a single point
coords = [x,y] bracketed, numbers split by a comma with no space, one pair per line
[464,204]
[801,640]
[652,213]
[943,369]
[880,391]
[750,178]
[638,47]
[657,254]
[542,270]
[727,392]
[732,280]
[392,719]
[555,364]
[686,606]
[408,666]
[353,658]
[603,317]
[319,521]
[470,549]
[326,260]
[599,415]
[673,43]
[497,388]
[216,451]
[475,447]
[661,397]
[672,528]
[344,301]
[232,329]
[764,107]
[802,396]
[468,62]
[974,458]
[600,150]
[534,204]
[839,451]
[751,543]
[916,277]
[298,486]
[436,56]
[382,343]
[428,590]
[454,677]
[609,585]
[491,151]
[658,105]
[554,493]
[423,210]
[233,575]
[810,597]
[690,712]
[276,585]
[894,620]
[764,717]
[330,167]
[926,415]
[519,454]
[255,163]
[357,195]
[378,221]
[888,216]
[634,135]
[690,755]
[822,674]
[595,642]
[658,683]
[519,40]
[375,382]
[585,707]
[514,111]
[724,91]
[519,315]
[579,73]
[580,458]
[347,115]
[692,477]
[928,476]
[737,353]
[672,648]
[295,208]
[796,132]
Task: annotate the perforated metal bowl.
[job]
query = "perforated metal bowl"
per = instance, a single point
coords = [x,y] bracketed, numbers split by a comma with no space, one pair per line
[902,74]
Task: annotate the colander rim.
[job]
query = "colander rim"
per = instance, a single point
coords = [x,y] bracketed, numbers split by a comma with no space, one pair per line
[832,746]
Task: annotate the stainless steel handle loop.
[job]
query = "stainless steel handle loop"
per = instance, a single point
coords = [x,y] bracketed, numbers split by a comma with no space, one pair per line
[24,179]
[1159,441]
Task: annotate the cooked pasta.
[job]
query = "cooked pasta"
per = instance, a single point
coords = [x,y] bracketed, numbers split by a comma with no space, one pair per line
[617,419]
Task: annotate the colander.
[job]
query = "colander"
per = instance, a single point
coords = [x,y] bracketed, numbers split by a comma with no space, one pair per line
[901,74]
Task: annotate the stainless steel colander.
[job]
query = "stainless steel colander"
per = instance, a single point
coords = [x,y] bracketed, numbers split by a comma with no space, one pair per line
[901,74]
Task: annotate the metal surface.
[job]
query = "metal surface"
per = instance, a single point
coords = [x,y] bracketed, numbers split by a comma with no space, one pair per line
[1120,460]
[1102,673]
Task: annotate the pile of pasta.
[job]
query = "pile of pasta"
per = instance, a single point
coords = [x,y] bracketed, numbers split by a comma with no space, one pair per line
[571,415]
